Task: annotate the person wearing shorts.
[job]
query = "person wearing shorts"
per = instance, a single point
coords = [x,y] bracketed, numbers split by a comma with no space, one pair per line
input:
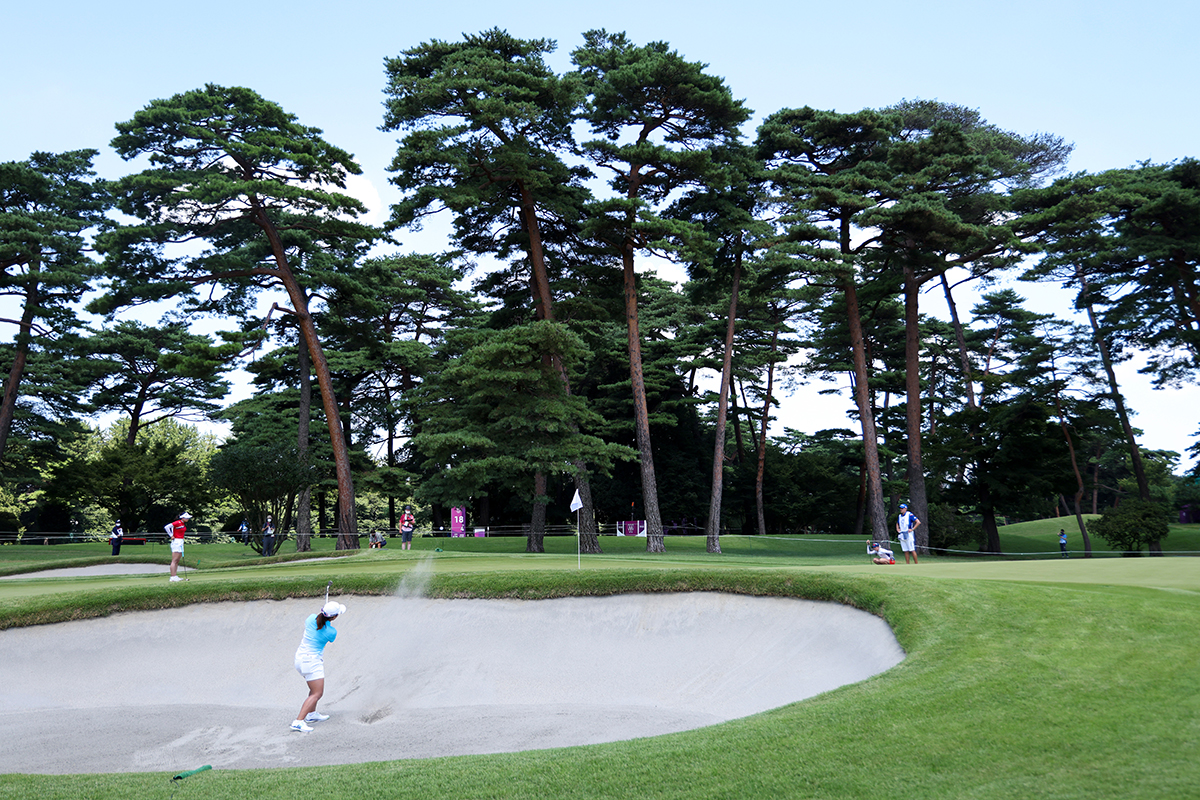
[177,530]
[906,524]
[407,523]
[310,662]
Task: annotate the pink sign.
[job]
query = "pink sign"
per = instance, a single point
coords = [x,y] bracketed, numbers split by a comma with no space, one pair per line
[458,521]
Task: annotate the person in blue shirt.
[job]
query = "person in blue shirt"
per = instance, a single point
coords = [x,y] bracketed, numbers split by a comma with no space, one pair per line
[310,661]
[1062,542]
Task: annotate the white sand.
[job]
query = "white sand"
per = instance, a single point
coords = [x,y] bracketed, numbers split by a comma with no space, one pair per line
[86,572]
[412,678]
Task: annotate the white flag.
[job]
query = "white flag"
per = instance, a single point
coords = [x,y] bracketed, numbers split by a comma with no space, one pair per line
[576,503]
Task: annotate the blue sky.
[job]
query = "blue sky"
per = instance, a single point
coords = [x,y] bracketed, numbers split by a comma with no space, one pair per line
[1117,79]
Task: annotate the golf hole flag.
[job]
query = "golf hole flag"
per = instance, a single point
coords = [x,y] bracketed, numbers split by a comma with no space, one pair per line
[576,503]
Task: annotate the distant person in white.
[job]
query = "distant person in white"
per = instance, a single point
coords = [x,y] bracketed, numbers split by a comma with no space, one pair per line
[310,661]
[906,523]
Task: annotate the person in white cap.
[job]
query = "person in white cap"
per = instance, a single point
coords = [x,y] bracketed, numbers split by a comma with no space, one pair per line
[906,524]
[310,661]
[177,530]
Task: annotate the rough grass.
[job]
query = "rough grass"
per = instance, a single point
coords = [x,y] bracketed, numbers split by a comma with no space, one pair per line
[1065,679]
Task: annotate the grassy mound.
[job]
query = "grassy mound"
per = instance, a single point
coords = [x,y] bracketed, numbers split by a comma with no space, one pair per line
[1055,679]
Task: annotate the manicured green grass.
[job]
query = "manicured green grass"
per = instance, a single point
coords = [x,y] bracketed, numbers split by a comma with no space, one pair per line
[1041,536]
[1044,678]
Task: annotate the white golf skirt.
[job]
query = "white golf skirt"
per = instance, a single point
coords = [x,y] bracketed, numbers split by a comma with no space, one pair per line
[311,668]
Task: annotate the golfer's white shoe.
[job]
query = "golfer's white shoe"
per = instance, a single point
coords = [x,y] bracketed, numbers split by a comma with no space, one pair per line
[175,578]
[316,716]
[301,725]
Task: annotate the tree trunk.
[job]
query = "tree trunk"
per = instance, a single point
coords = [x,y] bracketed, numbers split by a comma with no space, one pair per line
[860,515]
[347,523]
[391,462]
[762,440]
[1062,424]
[641,411]
[738,442]
[589,540]
[712,528]
[988,511]
[589,536]
[917,501]
[11,392]
[866,415]
[304,502]
[20,358]
[1139,469]
[963,354]
[1135,452]
[746,405]
[535,542]
[1087,540]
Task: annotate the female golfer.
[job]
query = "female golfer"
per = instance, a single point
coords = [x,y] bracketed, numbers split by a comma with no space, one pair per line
[318,632]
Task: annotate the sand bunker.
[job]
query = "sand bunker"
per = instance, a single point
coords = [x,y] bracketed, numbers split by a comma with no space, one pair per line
[91,572]
[413,677]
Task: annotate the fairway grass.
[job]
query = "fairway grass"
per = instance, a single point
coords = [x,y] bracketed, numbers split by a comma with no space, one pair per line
[1049,678]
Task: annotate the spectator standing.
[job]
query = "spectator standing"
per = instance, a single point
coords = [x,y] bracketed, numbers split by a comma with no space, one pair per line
[407,524]
[177,530]
[268,532]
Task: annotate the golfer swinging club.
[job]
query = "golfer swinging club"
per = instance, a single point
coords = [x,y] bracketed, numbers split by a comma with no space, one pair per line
[906,523]
[318,632]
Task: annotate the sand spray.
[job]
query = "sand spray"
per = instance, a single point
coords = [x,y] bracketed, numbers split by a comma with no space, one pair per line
[389,651]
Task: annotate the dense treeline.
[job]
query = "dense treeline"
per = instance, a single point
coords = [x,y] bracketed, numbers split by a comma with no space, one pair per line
[539,358]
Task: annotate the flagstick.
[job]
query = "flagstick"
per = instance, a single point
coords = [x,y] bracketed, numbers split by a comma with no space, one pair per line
[577,506]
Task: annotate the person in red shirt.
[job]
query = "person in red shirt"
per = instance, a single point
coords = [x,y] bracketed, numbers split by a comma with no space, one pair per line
[407,523]
[177,529]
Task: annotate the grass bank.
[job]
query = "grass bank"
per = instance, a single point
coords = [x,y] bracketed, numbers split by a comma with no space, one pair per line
[1041,684]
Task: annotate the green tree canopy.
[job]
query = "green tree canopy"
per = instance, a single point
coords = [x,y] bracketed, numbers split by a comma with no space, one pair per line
[47,205]
[1131,525]
[237,173]
[144,483]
